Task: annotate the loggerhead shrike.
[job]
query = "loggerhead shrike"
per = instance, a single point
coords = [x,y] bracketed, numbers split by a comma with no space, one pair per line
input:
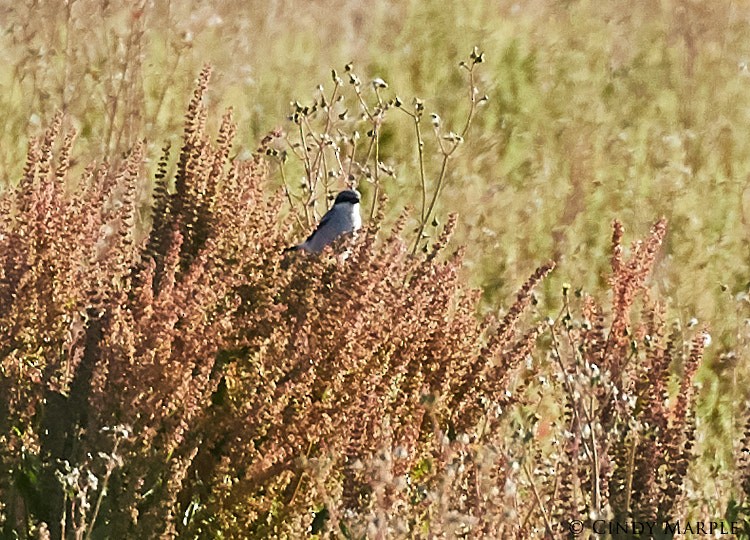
[343,217]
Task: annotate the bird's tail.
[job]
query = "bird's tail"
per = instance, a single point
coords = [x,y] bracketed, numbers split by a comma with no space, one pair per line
[291,248]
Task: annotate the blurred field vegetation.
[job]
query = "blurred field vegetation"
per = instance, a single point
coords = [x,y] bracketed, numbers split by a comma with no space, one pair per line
[595,111]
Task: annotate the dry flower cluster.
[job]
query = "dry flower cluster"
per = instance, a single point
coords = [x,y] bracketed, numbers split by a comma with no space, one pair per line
[195,382]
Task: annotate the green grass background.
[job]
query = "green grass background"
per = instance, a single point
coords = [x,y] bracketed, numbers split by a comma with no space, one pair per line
[596,110]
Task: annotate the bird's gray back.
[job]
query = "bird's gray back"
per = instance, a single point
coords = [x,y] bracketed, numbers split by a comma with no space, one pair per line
[340,219]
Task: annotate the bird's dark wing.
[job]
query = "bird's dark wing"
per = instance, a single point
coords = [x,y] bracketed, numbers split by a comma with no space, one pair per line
[326,219]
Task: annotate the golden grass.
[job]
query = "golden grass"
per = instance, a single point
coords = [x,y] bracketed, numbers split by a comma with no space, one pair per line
[593,114]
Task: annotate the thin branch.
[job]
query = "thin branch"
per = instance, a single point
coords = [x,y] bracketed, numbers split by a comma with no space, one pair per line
[540,505]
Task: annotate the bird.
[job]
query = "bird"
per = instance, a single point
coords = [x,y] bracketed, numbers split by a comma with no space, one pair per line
[342,218]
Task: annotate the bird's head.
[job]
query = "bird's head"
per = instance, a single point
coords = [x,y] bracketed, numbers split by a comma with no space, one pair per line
[350,196]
